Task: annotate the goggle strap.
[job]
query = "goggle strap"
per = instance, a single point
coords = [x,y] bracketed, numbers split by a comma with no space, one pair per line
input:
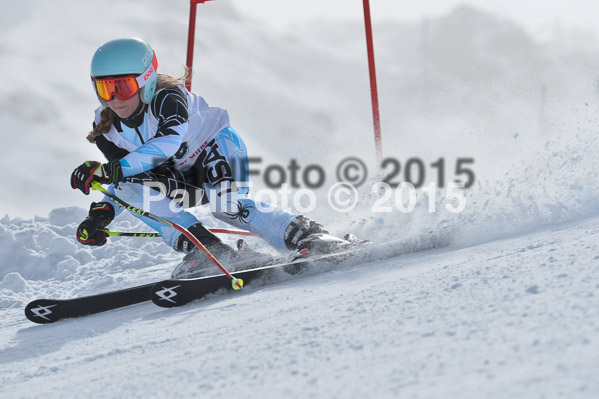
[148,73]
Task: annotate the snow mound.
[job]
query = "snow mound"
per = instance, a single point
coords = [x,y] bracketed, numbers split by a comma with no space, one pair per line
[41,257]
[39,253]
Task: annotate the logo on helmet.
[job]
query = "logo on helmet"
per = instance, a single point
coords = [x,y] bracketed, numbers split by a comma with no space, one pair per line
[150,72]
[148,57]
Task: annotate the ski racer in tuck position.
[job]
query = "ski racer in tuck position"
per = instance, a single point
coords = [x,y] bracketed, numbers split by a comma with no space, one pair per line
[153,131]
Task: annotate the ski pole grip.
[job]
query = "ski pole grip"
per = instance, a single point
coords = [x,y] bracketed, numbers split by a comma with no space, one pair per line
[97,186]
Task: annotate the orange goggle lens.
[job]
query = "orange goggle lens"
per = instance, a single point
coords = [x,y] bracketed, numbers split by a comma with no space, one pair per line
[123,87]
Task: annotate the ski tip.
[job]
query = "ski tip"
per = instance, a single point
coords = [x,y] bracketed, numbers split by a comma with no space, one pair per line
[42,311]
[168,294]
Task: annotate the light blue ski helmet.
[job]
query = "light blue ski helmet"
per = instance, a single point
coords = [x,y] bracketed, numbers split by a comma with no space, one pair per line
[125,57]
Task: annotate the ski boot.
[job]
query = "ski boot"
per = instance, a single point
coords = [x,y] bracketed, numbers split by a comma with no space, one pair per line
[307,238]
[251,259]
[196,263]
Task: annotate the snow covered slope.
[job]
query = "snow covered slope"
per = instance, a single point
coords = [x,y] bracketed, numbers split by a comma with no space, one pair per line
[517,317]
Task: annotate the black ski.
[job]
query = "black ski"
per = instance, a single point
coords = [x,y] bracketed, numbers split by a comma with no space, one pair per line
[178,292]
[173,292]
[50,310]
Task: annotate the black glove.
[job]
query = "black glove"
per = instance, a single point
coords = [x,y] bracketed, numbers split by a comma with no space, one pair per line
[89,171]
[100,216]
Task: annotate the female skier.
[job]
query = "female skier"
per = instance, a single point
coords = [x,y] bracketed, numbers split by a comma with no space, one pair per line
[156,134]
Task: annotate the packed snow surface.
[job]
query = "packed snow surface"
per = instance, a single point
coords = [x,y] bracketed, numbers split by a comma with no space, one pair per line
[517,317]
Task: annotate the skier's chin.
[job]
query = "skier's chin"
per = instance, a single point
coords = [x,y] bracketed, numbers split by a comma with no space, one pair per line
[122,113]
[124,108]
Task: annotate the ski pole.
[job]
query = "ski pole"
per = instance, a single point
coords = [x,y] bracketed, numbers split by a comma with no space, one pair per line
[129,234]
[236,283]
[149,235]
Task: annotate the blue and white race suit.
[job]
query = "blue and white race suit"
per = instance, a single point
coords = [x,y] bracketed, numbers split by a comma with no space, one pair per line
[181,143]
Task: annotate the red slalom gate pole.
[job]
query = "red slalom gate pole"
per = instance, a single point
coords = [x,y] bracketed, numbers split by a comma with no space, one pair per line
[191,38]
[373,89]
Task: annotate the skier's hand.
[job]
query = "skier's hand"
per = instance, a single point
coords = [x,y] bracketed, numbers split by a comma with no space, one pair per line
[100,216]
[89,171]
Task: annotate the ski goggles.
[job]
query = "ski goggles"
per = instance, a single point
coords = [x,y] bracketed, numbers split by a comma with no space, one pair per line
[123,86]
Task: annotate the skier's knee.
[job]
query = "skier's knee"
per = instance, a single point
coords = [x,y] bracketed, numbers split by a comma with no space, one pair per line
[235,210]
